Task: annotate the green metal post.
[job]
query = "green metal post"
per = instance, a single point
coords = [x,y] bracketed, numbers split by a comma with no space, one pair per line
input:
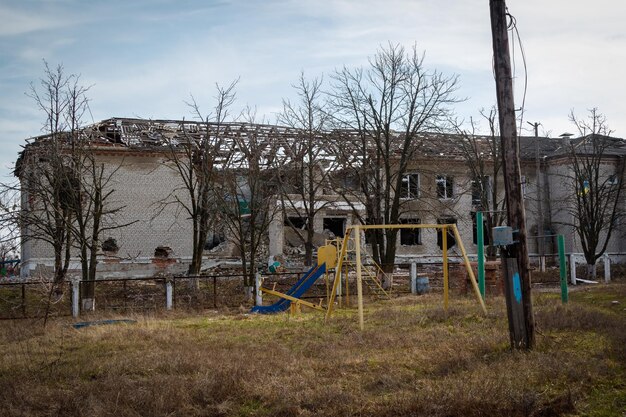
[481,253]
[562,268]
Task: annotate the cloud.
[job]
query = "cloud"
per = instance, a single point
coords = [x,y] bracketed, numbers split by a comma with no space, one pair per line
[24,21]
[145,57]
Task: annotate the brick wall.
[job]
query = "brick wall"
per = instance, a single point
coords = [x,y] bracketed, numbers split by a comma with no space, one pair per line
[142,181]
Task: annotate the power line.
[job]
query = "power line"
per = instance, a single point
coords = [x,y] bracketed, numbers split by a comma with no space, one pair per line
[512,27]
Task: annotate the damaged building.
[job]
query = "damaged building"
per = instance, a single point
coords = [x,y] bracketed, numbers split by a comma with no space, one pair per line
[154,233]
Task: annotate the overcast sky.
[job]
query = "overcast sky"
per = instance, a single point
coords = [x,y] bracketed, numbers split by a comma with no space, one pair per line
[144,57]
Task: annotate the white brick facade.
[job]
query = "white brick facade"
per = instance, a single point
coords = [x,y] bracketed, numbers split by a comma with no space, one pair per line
[144,180]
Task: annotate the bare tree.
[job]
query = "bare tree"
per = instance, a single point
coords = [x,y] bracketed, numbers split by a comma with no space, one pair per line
[483,158]
[195,159]
[384,109]
[9,226]
[84,211]
[9,214]
[65,189]
[94,211]
[597,175]
[247,192]
[306,162]
[46,177]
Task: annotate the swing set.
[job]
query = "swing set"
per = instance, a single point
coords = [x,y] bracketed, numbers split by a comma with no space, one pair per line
[335,255]
[356,232]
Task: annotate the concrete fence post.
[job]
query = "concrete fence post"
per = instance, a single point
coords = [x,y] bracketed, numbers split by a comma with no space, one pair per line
[607,268]
[75,298]
[572,268]
[168,295]
[413,278]
[258,281]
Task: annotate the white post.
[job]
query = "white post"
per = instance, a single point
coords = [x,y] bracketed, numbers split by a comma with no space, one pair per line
[258,299]
[168,295]
[359,282]
[607,268]
[75,298]
[413,278]
[572,268]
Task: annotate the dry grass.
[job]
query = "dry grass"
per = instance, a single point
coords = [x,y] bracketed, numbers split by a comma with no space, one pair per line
[413,359]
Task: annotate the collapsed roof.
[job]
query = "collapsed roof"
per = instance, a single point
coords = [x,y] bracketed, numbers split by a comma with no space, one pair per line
[273,140]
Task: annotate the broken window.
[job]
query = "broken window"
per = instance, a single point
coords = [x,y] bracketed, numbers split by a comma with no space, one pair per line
[480,188]
[110,245]
[214,240]
[409,187]
[337,225]
[410,237]
[295,222]
[451,241]
[163,252]
[486,240]
[445,186]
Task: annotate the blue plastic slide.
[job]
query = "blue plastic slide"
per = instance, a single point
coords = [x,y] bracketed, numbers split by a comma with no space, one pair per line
[296,291]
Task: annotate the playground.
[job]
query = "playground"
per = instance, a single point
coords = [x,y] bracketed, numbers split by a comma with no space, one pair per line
[412,358]
[347,253]
[355,350]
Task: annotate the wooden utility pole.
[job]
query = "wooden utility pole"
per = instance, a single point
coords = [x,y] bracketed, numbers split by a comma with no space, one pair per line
[515,256]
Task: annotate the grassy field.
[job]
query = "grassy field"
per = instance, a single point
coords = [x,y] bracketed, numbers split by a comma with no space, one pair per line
[413,359]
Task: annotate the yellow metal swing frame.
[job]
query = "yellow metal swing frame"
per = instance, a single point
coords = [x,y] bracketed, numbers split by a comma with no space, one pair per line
[359,285]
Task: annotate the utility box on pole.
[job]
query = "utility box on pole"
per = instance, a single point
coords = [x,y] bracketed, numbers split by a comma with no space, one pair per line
[502,236]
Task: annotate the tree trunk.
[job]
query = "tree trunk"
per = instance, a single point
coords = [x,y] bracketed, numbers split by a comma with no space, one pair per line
[310,227]
[194,269]
[196,257]
[308,245]
[58,264]
[387,277]
[591,271]
[88,287]
[389,258]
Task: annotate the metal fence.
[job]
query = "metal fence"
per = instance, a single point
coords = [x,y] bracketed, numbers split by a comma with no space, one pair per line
[219,291]
[38,299]
[34,299]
